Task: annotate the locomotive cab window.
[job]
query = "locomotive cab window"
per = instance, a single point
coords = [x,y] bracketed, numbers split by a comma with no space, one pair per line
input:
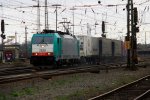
[43,40]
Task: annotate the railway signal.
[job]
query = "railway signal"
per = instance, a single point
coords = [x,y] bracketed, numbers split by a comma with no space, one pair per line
[135,15]
[103,26]
[103,29]
[3,29]
[2,26]
[3,36]
[137,29]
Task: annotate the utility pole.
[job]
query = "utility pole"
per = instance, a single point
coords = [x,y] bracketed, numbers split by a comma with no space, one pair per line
[131,40]
[15,38]
[26,45]
[64,25]
[57,6]
[3,37]
[73,17]
[145,47]
[129,30]
[3,57]
[46,16]
[145,40]
[88,29]
[38,17]
[134,39]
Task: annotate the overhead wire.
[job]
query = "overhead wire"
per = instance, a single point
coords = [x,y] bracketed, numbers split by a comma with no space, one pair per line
[81,15]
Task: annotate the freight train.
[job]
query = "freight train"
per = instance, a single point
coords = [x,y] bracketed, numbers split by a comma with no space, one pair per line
[101,50]
[59,48]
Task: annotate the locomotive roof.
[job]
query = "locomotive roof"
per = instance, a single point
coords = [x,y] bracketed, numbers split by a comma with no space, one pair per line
[54,31]
[67,36]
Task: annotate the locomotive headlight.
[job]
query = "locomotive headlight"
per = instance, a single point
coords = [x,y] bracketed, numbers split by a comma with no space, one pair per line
[49,53]
[36,54]
[42,46]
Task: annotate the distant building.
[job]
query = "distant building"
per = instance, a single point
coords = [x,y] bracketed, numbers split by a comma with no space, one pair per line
[11,52]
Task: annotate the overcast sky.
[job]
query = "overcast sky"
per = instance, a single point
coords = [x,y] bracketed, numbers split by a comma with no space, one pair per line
[20,13]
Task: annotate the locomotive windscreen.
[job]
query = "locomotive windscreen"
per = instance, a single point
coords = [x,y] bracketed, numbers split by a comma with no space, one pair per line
[42,40]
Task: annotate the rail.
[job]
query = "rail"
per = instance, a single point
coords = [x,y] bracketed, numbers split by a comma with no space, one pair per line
[122,90]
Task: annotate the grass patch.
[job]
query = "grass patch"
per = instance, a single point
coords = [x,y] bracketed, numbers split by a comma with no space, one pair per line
[3,97]
[25,91]
[96,90]
[19,64]
[59,82]
[62,82]
[79,94]
[124,80]
[74,96]
[63,97]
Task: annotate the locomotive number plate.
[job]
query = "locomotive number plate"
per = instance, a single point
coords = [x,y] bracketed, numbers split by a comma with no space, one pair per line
[42,50]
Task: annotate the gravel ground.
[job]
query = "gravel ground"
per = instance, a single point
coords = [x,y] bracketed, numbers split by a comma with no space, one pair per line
[69,87]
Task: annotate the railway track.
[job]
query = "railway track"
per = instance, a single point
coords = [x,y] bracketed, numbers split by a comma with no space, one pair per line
[44,74]
[144,96]
[137,90]
[15,70]
[9,70]
[21,73]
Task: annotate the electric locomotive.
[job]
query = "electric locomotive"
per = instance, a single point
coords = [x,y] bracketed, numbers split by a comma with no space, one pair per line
[54,48]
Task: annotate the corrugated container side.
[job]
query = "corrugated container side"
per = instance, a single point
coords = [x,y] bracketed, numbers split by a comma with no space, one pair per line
[123,49]
[118,48]
[95,46]
[88,46]
[106,47]
[113,48]
[82,40]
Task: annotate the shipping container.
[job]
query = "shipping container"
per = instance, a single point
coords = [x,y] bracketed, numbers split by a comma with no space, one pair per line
[118,48]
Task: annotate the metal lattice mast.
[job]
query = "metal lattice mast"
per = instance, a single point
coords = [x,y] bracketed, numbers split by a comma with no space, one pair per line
[131,40]
[56,6]
[38,17]
[129,30]
[46,15]
[73,9]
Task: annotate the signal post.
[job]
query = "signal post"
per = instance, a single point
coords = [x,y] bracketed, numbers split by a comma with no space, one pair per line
[3,37]
[131,41]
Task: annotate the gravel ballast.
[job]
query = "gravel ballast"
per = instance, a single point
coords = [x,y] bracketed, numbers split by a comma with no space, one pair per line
[79,86]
